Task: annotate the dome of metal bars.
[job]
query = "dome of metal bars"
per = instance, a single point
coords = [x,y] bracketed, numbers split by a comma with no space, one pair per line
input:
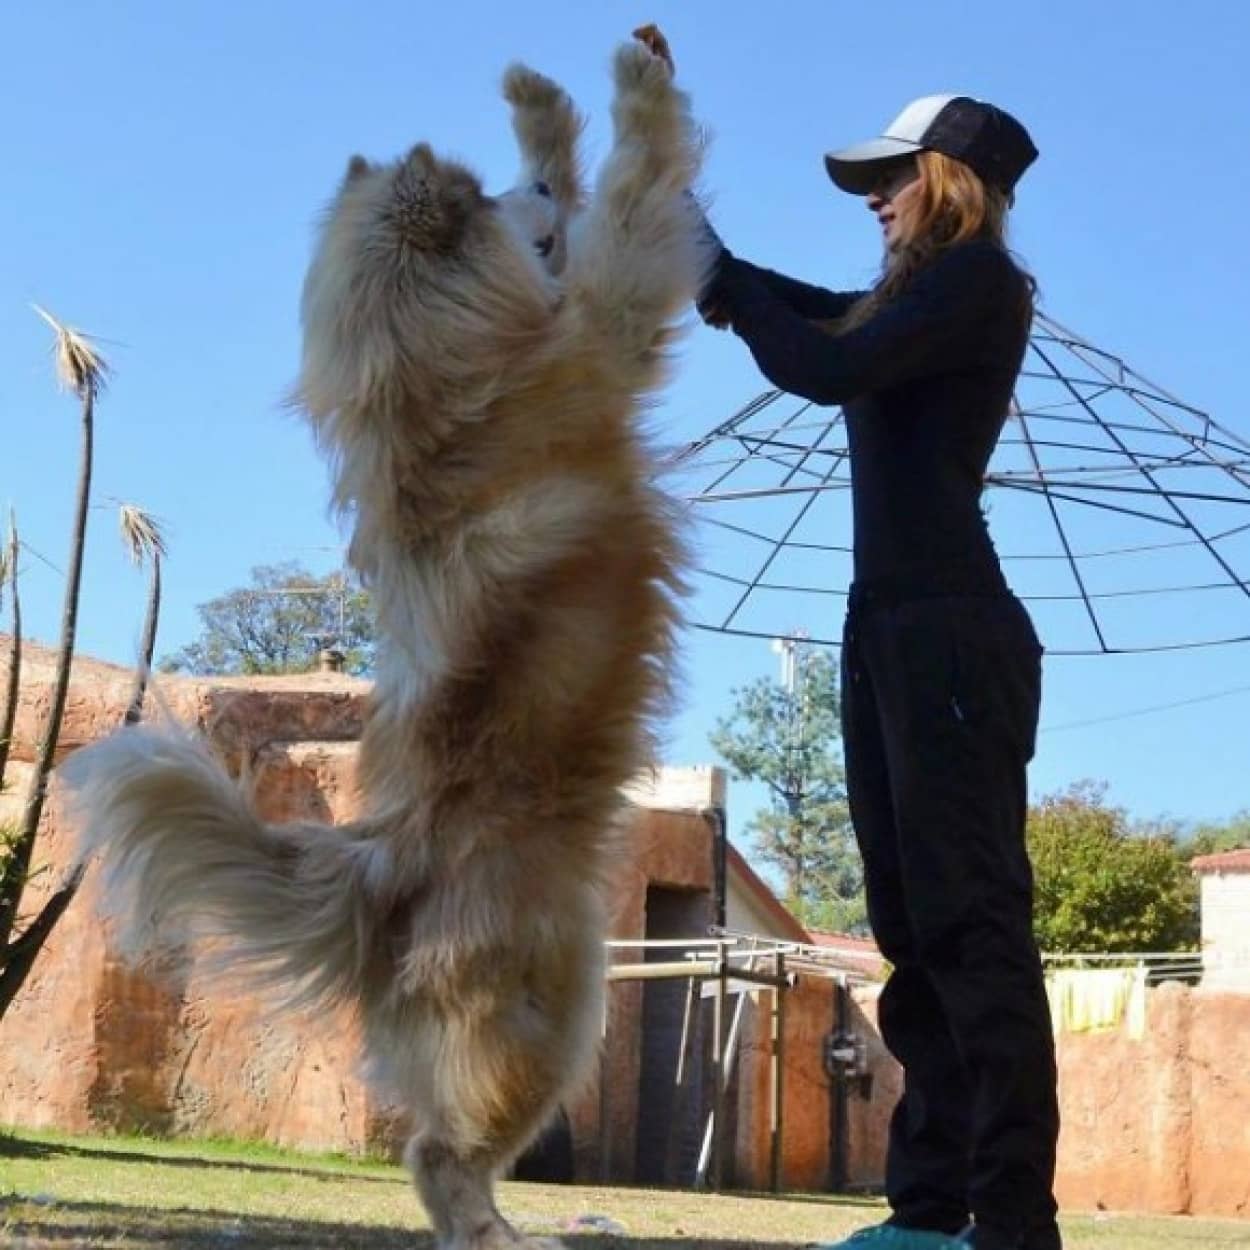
[1121,514]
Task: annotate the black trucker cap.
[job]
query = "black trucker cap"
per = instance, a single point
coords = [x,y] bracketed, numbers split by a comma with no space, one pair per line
[995,146]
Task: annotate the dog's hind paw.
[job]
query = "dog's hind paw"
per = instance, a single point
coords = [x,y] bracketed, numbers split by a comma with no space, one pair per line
[500,1235]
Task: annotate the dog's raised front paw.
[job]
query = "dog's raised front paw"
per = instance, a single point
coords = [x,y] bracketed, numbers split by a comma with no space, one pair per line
[525,87]
[653,37]
[636,67]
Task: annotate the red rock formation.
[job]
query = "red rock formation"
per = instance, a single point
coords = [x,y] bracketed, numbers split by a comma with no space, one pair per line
[93,1043]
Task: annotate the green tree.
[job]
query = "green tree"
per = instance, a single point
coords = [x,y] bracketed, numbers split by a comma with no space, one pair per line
[787,735]
[278,624]
[1103,884]
[1211,838]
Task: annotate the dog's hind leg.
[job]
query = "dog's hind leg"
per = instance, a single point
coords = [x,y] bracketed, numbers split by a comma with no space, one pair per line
[455,1167]
[458,1195]
[494,1080]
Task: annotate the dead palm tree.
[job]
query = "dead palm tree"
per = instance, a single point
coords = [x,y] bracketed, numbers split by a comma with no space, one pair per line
[145,544]
[8,572]
[81,369]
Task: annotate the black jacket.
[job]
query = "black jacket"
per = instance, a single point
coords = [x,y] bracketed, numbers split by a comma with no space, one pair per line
[925,385]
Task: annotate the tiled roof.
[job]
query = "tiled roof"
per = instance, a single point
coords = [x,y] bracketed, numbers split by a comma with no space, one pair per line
[1224,861]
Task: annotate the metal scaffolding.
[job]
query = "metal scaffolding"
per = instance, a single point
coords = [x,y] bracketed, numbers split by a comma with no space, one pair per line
[1122,513]
[726,967]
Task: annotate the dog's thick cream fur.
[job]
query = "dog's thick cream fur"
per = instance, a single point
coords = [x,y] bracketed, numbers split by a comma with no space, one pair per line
[473,366]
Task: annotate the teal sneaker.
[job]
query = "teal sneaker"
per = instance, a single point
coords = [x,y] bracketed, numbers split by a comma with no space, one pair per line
[894,1237]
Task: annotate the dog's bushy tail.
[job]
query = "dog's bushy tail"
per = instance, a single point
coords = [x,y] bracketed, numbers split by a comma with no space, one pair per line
[184,857]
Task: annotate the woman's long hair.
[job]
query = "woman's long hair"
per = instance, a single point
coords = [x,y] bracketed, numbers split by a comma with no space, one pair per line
[952,205]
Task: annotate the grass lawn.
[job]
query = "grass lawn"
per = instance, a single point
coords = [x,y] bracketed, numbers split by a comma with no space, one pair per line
[58,1192]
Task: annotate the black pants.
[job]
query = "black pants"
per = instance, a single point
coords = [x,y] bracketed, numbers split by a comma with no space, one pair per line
[940,702]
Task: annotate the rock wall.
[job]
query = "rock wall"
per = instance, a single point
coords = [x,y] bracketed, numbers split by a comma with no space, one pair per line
[1157,1123]
[91,1043]
[1161,1123]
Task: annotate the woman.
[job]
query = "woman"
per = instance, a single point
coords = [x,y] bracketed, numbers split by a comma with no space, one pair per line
[941,666]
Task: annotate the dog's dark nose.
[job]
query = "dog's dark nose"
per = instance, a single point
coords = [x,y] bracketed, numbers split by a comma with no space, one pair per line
[543,246]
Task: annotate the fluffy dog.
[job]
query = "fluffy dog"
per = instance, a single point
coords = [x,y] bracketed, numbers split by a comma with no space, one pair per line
[473,366]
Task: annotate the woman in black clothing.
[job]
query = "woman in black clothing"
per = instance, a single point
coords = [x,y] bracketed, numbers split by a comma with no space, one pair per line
[941,668]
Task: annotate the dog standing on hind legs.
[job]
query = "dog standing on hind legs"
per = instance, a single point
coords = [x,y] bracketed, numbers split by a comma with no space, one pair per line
[474,367]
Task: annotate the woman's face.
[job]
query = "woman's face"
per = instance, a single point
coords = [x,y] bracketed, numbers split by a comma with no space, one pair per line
[892,197]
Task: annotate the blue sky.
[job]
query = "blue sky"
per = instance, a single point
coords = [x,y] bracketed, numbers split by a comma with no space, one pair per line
[164,164]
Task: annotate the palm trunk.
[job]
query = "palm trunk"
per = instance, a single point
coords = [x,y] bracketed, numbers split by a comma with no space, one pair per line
[18,865]
[18,958]
[134,713]
[14,681]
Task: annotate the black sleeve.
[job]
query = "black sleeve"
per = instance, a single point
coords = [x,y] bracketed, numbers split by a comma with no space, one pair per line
[934,326]
[814,302]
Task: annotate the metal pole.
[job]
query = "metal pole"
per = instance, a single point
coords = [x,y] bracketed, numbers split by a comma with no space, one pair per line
[687,1015]
[841,1094]
[731,1057]
[672,1162]
[720,863]
[605,1136]
[777,1075]
[719,1076]
[704,969]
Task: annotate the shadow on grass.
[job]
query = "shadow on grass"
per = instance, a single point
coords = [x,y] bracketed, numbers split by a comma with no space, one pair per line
[820,1198]
[26,1148]
[68,1225]
[73,1224]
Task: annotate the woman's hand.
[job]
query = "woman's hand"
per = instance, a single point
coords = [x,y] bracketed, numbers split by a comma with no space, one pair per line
[713,312]
[715,301]
[712,308]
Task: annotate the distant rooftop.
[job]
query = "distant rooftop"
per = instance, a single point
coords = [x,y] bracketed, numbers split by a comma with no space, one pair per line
[1225,861]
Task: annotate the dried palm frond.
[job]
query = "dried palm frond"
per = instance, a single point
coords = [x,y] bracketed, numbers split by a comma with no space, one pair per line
[79,365]
[142,535]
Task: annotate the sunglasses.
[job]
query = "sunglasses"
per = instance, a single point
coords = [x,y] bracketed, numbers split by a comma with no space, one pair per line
[894,177]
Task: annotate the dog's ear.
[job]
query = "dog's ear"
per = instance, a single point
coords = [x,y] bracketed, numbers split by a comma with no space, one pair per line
[432,200]
[357,168]
[421,160]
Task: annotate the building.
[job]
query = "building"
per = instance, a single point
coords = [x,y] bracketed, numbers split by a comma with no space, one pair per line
[1225,891]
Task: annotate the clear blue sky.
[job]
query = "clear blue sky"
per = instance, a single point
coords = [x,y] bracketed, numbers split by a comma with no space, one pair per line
[163,164]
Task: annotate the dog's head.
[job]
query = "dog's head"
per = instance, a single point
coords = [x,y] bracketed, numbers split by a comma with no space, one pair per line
[420,279]
[530,212]
[421,206]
